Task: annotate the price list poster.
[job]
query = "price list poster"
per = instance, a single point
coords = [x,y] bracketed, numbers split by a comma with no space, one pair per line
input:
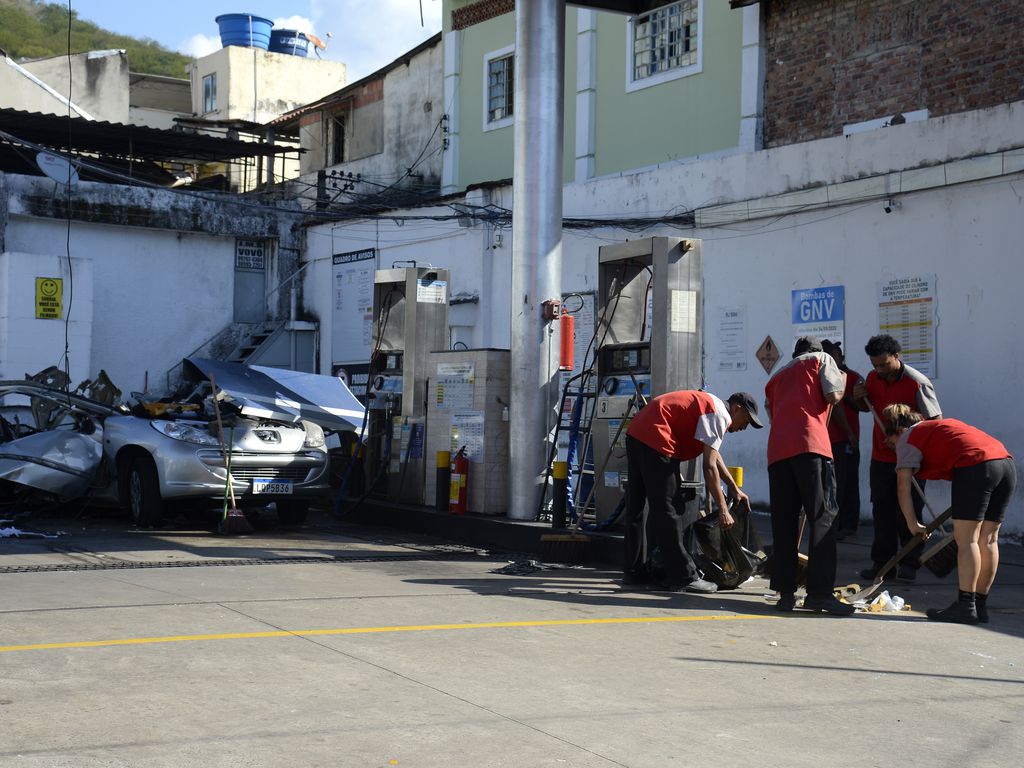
[906,311]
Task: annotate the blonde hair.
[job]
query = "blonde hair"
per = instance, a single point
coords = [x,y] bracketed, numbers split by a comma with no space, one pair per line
[898,417]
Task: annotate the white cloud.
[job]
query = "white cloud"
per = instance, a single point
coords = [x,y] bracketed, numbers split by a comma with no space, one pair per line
[200,45]
[301,23]
[369,34]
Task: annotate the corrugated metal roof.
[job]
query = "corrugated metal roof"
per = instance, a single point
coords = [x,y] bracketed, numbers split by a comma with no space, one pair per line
[117,140]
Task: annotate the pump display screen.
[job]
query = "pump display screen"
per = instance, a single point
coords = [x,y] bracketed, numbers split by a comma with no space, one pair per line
[626,359]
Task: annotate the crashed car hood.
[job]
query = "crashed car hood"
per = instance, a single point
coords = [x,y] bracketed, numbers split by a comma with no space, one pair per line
[282,395]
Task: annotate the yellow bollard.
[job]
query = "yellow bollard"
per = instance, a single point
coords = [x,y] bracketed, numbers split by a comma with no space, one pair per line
[737,475]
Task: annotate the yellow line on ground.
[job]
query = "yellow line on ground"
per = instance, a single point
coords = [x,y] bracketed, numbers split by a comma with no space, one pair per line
[371,630]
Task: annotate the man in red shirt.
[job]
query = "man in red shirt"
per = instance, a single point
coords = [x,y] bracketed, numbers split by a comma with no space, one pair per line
[844,434]
[891,382]
[801,479]
[672,428]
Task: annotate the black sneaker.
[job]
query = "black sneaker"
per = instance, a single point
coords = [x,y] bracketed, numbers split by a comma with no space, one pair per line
[906,575]
[870,573]
[828,604]
[787,602]
[957,613]
[981,607]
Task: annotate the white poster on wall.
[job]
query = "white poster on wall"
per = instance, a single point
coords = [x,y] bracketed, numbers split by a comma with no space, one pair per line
[352,308]
[454,386]
[467,429]
[732,338]
[906,311]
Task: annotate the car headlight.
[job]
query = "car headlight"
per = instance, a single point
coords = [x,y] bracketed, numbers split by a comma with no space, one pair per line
[177,430]
[314,435]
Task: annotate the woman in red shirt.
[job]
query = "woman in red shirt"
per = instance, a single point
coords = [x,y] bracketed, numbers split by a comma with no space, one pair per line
[983,476]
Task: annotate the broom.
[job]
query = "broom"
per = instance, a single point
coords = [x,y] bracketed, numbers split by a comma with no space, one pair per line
[232,518]
[941,559]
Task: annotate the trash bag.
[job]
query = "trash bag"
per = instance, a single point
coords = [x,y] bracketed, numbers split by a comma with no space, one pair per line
[721,555]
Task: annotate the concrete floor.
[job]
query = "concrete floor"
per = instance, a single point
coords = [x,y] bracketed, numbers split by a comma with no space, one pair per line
[395,650]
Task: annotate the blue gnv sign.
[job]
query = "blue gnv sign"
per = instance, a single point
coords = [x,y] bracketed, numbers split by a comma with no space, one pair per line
[820,312]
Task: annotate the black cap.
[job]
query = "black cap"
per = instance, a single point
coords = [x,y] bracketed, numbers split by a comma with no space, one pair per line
[746,400]
[806,344]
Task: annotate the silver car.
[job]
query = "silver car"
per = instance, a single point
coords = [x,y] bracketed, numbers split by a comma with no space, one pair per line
[269,432]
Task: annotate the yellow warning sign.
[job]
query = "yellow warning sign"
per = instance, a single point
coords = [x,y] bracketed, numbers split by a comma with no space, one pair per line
[49,298]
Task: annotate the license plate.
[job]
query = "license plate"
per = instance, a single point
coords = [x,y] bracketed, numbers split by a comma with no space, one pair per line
[269,485]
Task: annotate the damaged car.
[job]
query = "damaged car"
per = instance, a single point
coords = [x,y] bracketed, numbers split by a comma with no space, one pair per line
[268,425]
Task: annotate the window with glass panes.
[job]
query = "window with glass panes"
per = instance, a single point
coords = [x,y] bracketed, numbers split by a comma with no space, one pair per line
[665,39]
[500,87]
[210,93]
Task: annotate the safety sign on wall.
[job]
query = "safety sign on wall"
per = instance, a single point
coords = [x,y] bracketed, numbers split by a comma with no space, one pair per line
[49,298]
[820,312]
[906,311]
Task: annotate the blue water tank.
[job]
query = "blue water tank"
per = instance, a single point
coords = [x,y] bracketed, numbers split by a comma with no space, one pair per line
[289,41]
[245,30]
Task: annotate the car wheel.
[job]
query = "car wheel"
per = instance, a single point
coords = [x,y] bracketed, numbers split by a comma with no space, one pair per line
[144,500]
[292,512]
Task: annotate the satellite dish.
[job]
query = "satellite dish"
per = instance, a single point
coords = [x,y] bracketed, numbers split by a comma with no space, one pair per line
[57,168]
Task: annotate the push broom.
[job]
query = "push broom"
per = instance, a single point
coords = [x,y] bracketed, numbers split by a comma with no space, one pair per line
[232,518]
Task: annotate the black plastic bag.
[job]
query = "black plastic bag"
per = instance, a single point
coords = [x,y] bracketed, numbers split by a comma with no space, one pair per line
[722,556]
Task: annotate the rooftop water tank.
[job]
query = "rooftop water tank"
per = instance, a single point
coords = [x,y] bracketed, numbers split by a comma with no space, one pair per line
[289,41]
[245,30]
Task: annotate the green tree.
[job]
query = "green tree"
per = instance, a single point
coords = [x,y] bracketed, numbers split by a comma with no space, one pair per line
[32,29]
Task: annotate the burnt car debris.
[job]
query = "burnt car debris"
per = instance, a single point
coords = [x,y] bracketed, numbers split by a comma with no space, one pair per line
[149,455]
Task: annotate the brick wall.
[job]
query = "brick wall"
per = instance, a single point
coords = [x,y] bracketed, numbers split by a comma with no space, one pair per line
[835,62]
[474,13]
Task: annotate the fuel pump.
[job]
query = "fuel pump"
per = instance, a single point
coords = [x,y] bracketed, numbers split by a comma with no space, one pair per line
[410,307]
[650,341]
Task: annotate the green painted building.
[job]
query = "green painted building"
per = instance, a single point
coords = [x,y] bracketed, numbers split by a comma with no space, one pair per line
[639,90]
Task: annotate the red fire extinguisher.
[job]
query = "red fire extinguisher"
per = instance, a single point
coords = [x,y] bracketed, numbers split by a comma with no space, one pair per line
[567,334]
[457,489]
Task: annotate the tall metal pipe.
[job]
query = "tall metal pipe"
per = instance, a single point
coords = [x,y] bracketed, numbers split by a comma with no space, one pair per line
[536,244]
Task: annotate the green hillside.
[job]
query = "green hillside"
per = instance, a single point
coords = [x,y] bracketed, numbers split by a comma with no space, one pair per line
[30,29]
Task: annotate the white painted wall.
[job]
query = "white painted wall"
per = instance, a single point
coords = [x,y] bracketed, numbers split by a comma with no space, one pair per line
[150,297]
[28,344]
[968,233]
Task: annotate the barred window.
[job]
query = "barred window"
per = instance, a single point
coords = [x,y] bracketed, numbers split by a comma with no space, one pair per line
[665,39]
[500,88]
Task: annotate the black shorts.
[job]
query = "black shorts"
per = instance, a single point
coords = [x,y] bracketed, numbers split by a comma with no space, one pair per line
[983,491]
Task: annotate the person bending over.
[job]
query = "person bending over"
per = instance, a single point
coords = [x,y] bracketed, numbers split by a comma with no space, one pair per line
[983,476]
[670,429]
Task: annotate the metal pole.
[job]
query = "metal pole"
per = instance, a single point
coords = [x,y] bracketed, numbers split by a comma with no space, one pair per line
[536,241]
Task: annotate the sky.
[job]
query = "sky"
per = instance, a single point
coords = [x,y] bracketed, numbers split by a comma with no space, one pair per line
[364,34]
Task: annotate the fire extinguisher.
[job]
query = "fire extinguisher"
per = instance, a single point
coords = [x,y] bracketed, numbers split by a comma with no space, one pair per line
[457,489]
[567,334]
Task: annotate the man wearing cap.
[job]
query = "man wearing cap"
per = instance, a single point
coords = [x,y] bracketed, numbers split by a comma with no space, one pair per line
[672,428]
[844,432]
[891,382]
[801,479]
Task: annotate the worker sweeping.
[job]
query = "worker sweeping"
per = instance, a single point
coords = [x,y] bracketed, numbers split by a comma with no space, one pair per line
[801,479]
[983,476]
[672,428]
[890,382]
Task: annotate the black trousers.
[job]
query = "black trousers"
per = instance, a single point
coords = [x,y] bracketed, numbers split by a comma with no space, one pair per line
[803,484]
[891,531]
[659,513]
[847,467]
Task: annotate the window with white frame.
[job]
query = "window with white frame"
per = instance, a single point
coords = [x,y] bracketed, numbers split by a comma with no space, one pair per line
[210,93]
[499,88]
[665,44]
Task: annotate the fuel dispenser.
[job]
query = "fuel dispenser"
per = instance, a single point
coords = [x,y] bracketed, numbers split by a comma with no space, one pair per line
[650,340]
[410,308]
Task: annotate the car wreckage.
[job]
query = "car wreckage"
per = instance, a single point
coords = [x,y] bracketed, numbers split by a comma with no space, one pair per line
[267,424]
